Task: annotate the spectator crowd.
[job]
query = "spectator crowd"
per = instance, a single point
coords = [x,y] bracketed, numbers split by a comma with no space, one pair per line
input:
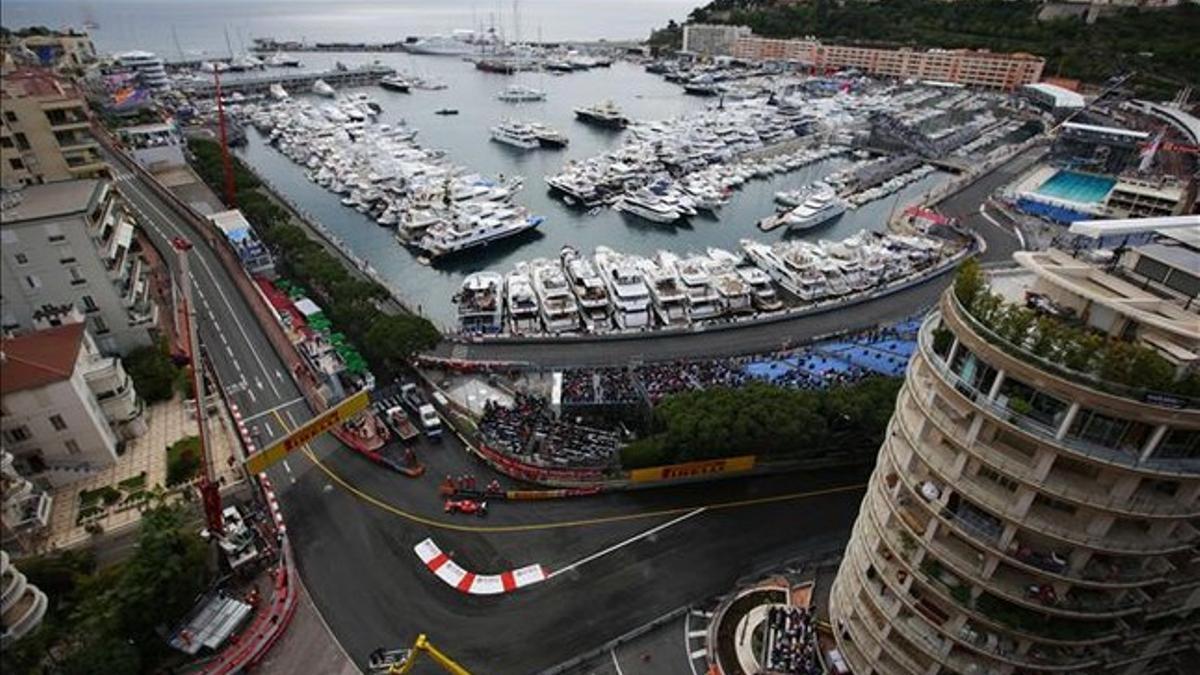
[790,642]
[530,430]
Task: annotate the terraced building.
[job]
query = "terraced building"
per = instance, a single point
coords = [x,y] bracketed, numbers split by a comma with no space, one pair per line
[1035,504]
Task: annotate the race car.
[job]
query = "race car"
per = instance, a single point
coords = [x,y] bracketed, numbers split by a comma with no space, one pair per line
[467,506]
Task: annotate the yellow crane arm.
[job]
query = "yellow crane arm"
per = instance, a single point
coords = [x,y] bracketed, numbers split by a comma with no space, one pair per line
[424,646]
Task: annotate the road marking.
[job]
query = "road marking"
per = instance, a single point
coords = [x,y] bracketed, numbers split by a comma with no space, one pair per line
[287,467]
[622,544]
[271,410]
[211,276]
[699,653]
[616,664]
[697,633]
[687,639]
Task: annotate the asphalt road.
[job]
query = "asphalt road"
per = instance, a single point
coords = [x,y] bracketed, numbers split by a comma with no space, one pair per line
[353,524]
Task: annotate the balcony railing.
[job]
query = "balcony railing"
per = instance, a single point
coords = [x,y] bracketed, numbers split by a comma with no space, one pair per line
[1035,427]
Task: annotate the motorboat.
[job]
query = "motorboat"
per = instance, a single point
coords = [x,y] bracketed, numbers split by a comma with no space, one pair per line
[446,111]
[395,83]
[733,290]
[440,45]
[649,206]
[589,289]
[666,293]
[704,302]
[322,88]
[521,302]
[481,303]
[548,137]
[463,233]
[559,309]
[519,93]
[762,289]
[604,114]
[278,93]
[517,134]
[627,288]
[820,207]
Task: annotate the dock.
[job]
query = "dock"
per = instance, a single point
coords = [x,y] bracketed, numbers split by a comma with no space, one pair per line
[292,82]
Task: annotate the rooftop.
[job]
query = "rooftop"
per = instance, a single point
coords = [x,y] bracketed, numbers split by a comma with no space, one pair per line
[37,82]
[40,358]
[51,199]
[1063,97]
[1111,131]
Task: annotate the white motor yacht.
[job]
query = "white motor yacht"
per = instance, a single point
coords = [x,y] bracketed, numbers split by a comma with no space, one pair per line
[604,114]
[522,302]
[645,204]
[734,292]
[463,233]
[322,88]
[666,293]
[820,207]
[517,134]
[627,288]
[480,303]
[704,302]
[560,311]
[762,290]
[589,290]
[519,93]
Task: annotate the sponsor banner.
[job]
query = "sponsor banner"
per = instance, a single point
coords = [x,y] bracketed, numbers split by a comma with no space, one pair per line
[709,467]
[346,409]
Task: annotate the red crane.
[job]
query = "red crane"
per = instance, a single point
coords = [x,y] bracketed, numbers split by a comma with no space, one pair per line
[226,163]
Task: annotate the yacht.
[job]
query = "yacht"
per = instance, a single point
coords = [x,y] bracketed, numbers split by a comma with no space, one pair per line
[548,137]
[521,301]
[589,289]
[516,134]
[395,83]
[322,88]
[796,275]
[604,114]
[645,204]
[518,93]
[733,290]
[806,262]
[666,293]
[820,207]
[762,291]
[480,303]
[440,45]
[281,60]
[560,311]
[462,233]
[627,288]
[704,302]
[278,93]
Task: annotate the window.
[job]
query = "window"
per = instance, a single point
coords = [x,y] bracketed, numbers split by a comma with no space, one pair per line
[57,422]
[1003,481]
[21,258]
[71,446]
[22,142]
[17,434]
[5,142]
[98,324]
[33,283]
[89,304]
[67,261]
[16,164]
[76,277]
[10,116]
[1179,444]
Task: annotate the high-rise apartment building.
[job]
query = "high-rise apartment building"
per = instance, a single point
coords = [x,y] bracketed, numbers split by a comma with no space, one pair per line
[712,39]
[45,131]
[1034,504]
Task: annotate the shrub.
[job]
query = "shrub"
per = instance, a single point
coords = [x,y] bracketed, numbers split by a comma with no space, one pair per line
[152,371]
[183,460]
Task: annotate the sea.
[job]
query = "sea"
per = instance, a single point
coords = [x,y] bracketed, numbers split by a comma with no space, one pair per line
[465,138]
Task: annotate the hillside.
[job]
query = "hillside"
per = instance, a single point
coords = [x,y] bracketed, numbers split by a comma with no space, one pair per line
[1160,45]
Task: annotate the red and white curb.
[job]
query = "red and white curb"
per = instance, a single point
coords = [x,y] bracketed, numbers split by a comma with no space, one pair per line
[476,584]
[272,502]
[243,430]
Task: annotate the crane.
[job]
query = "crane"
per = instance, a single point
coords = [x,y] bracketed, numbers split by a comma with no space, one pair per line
[402,661]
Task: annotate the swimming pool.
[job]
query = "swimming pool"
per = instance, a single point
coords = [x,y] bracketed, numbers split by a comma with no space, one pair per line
[1081,188]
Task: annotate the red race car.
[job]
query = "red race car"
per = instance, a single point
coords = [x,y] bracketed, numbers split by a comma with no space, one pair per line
[467,506]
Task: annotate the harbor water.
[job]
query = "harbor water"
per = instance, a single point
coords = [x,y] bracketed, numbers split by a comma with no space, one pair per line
[465,139]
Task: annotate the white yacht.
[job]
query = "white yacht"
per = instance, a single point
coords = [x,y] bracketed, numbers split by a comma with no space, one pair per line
[519,93]
[322,88]
[666,293]
[645,204]
[821,207]
[516,134]
[589,289]
[521,301]
[789,267]
[704,302]
[480,303]
[560,311]
[463,233]
[627,288]
[441,45]
[278,93]
[734,292]
[762,290]
[604,114]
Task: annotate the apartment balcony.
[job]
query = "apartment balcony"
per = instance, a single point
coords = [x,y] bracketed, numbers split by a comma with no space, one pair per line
[1036,429]
[27,510]
[25,615]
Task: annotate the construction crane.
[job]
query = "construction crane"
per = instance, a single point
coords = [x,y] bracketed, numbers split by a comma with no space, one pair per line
[402,661]
[210,492]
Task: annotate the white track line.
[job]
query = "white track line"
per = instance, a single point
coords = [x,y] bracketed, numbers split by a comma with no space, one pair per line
[623,544]
[616,664]
[268,411]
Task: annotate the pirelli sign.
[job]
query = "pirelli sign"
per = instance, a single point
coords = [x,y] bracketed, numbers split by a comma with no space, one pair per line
[709,467]
[318,425]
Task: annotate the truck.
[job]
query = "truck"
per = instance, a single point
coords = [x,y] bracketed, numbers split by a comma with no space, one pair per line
[427,415]
[398,420]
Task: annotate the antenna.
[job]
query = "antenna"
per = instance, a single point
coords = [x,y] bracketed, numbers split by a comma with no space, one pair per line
[178,47]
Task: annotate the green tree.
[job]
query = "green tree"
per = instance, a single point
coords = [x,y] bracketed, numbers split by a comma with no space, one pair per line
[152,371]
[393,339]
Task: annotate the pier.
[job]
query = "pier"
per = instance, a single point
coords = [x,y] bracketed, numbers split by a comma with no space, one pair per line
[293,82]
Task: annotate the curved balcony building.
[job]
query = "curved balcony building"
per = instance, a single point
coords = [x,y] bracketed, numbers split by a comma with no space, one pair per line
[1027,515]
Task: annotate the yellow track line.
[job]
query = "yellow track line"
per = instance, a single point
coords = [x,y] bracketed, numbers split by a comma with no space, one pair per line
[562,524]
